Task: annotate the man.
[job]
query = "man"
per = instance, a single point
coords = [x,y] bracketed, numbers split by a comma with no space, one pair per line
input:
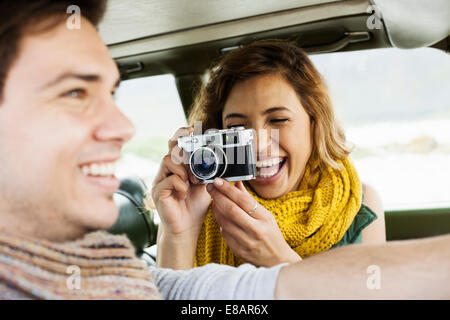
[60,134]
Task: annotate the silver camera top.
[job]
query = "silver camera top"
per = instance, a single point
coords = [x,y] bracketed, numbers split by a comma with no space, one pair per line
[237,136]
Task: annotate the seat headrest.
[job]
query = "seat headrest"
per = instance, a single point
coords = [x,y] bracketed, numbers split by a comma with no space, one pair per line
[135,220]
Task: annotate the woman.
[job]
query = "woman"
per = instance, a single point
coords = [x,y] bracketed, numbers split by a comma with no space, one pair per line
[307,197]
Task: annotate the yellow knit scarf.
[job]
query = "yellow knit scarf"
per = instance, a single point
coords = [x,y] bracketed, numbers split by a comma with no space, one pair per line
[312,219]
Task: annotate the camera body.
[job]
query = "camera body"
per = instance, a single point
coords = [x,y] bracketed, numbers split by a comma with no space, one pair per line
[229,154]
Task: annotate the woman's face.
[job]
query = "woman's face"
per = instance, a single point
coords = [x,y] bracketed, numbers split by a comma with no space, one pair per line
[271,106]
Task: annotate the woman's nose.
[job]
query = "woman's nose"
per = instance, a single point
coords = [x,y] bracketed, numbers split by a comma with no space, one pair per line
[265,141]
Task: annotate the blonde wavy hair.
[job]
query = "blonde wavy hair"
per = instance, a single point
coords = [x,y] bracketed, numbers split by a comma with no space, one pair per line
[288,60]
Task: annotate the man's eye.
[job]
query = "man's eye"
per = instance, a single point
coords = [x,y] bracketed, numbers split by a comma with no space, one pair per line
[75,93]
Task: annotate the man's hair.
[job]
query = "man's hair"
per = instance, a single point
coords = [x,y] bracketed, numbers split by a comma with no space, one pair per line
[18,17]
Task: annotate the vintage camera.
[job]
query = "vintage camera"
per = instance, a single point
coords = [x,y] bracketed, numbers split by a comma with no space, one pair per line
[229,154]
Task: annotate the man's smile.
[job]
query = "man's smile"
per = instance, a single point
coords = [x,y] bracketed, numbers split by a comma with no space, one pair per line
[101,174]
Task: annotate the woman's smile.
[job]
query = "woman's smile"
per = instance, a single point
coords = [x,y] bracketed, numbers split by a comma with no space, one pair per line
[269,170]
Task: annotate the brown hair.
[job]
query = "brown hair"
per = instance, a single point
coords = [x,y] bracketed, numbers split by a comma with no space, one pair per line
[17,17]
[275,57]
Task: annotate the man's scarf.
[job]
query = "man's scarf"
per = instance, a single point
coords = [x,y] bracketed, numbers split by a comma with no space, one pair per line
[99,266]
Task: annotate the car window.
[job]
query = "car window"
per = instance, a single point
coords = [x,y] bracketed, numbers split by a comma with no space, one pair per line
[394,105]
[154,107]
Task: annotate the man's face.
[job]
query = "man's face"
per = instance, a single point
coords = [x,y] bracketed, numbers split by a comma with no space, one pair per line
[60,133]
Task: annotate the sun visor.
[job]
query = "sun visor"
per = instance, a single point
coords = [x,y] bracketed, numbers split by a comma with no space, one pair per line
[415,23]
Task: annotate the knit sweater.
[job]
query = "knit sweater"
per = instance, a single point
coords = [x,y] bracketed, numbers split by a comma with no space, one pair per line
[99,266]
[218,282]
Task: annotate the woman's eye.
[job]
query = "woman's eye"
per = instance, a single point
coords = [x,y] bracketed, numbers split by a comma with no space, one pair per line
[278,121]
[231,126]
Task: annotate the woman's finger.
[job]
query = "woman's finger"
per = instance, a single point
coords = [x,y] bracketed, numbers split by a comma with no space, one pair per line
[234,230]
[172,167]
[172,185]
[230,209]
[177,155]
[240,186]
[222,217]
[181,132]
[169,167]
[239,195]
[234,244]
[180,157]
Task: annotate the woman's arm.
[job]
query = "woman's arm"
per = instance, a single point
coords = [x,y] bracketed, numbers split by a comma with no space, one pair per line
[376,231]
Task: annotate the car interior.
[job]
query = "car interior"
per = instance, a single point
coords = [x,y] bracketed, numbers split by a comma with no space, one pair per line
[184,38]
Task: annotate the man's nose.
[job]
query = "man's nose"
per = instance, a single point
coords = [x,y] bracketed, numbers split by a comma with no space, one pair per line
[114,125]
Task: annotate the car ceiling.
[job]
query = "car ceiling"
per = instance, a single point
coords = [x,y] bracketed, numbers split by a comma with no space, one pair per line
[185,37]
[156,17]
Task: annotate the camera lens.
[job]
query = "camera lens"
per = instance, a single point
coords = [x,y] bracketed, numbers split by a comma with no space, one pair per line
[204,163]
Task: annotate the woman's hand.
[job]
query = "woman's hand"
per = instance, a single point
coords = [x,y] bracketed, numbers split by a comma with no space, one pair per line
[182,205]
[253,236]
